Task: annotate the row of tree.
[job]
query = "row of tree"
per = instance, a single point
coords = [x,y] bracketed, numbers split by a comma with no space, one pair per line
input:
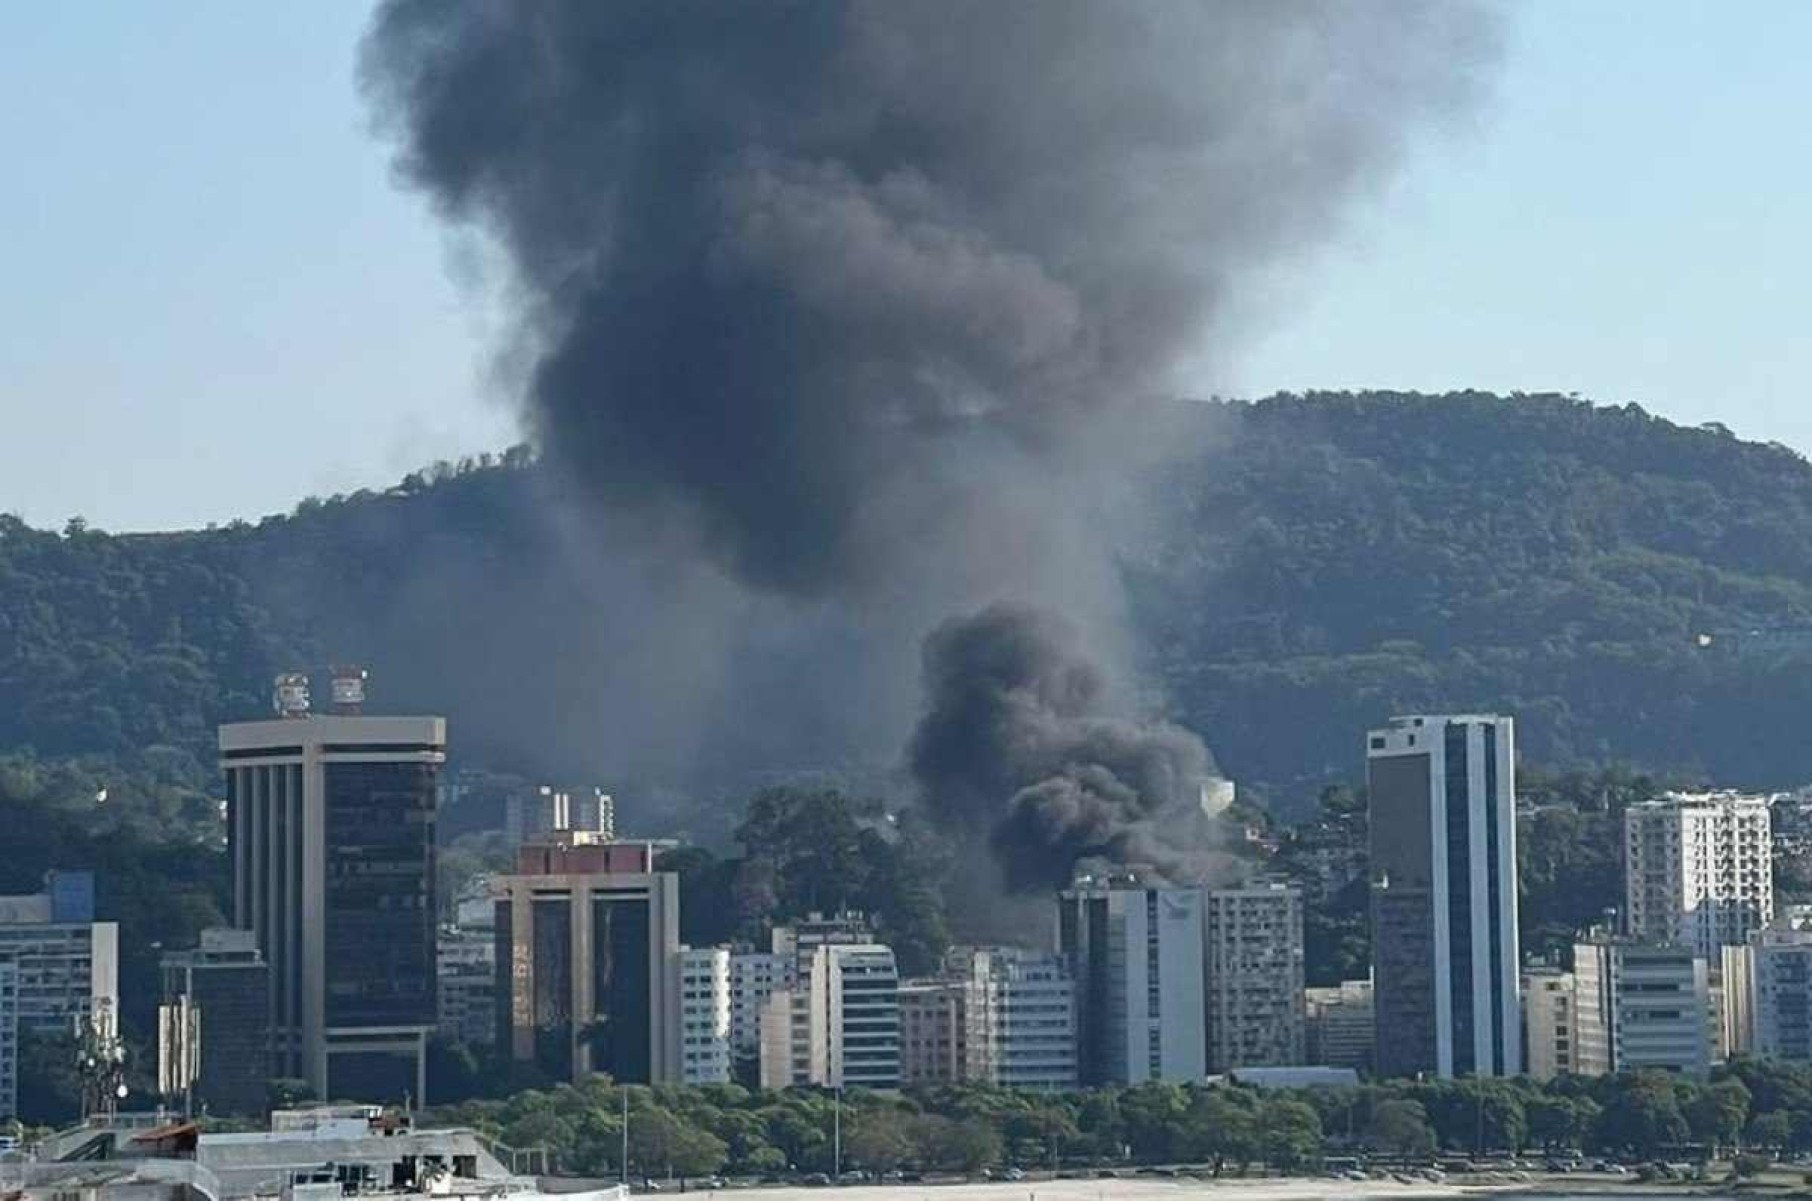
[1763,1107]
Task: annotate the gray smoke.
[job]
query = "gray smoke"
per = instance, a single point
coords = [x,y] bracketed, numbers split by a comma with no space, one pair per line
[1018,746]
[854,300]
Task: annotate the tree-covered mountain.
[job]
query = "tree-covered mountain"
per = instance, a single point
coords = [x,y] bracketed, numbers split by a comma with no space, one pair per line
[1632,590]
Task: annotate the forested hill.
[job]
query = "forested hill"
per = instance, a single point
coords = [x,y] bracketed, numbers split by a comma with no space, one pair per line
[1317,562]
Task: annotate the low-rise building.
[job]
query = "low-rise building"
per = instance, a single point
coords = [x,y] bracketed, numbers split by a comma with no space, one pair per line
[1339,1025]
[1641,1007]
[933,1031]
[1781,967]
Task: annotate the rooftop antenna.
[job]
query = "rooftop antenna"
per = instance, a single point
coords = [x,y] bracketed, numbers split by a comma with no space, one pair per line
[349,688]
[289,695]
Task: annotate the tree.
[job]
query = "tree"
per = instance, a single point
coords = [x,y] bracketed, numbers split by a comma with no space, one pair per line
[1643,1115]
[1290,1133]
[953,1146]
[1400,1127]
[877,1140]
[660,1143]
[1717,1114]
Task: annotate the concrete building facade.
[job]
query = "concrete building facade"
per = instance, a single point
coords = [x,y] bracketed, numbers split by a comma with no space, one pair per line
[9,1039]
[330,830]
[587,939]
[1338,1025]
[934,1045]
[1254,976]
[1641,1007]
[1442,795]
[1137,958]
[1698,870]
[856,989]
[704,997]
[1780,964]
[1550,1023]
[1021,1020]
[466,1005]
[66,963]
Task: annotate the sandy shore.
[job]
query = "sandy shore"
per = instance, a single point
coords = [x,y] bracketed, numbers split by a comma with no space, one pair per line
[1306,1188]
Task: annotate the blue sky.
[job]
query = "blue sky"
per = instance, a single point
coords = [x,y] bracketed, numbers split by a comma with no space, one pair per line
[215,302]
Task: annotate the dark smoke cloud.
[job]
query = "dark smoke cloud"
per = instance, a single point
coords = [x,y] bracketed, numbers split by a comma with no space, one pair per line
[852,302]
[1018,746]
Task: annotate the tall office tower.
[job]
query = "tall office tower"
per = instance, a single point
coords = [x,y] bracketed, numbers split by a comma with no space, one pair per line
[1550,1023]
[1021,1020]
[855,1005]
[68,963]
[1137,958]
[588,814]
[1443,860]
[704,998]
[1780,988]
[1640,1007]
[1698,869]
[1338,1023]
[9,1039]
[587,936]
[330,828]
[214,1025]
[933,1031]
[1255,976]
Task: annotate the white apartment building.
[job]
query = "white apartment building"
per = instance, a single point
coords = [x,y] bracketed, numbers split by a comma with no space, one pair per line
[1338,1025]
[1021,1012]
[1699,869]
[859,986]
[704,998]
[1137,957]
[1255,976]
[66,963]
[1641,1007]
[1550,1023]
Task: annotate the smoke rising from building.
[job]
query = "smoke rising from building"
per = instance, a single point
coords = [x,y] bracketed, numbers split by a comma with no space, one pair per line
[850,299]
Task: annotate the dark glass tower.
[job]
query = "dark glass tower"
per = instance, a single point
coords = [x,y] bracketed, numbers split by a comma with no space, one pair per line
[330,825]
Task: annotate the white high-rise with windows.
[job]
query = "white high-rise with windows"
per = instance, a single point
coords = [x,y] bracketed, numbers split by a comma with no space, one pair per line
[9,1039]
[1021,1015]
[1137,957]
[1699,870]
[704,998]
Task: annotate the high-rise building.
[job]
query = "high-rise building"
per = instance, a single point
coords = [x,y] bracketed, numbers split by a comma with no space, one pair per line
[587,939]
[330,829]
[1020,1015]
[586,814]
[9,1039]
[1137,958]
[1698,870]
[798,944]
[1445,961]
[1255,976]
[704,998]
[1550,1023]
[1736,978]
[855,991]
[933,1031]
[1780,963]
[68,963]
[1338,1023]
[214,1025]
[1640,1007]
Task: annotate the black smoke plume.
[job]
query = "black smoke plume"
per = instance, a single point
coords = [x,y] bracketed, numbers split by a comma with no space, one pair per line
[853,301]
[1018,745]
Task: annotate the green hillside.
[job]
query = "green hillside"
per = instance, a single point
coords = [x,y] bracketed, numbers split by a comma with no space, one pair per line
[1315,564]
